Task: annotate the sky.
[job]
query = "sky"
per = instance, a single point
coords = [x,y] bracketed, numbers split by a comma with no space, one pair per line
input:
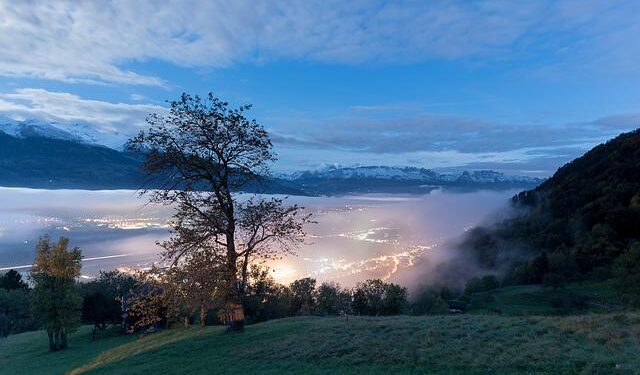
[516,86]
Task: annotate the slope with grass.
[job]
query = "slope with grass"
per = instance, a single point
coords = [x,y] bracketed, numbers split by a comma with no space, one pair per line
[466,344]
[536,299]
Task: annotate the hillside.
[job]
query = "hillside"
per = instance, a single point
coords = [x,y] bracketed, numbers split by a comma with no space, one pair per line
[577,224]
[470,344]
[53,163]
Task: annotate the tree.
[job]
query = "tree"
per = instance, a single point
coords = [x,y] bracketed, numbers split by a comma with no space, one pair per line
[303,291]
[428,301]
[395,299]
[204,153]
[627,275]
[102,299]
[144,307]
[375,297]
[481,284]
[368,297]
[15,311]
[194,285]
[99,310]
[12,280]
[333,300]
[264,298]
[55,298]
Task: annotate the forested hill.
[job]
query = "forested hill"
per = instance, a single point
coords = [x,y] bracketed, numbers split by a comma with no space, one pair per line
[577,224]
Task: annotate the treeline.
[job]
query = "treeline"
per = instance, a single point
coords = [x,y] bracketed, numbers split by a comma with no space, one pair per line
[58,303]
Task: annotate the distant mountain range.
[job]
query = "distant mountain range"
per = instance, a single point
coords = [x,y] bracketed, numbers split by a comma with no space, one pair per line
[398,179]
[42,155]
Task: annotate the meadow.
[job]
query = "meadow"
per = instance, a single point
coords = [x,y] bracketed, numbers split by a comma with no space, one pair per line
[446,344]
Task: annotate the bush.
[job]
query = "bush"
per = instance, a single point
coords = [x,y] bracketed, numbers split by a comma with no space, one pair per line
[627,275]
[374,297]
[428,301]
[483,284]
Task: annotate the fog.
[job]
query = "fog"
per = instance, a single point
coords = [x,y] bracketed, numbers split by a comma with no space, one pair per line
[355,238]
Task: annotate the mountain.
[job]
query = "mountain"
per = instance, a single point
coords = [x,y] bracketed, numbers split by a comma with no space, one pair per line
[35,128]
[78,131]
[39,157]
[580,223]
[379,179]
[33,160]
[38,154]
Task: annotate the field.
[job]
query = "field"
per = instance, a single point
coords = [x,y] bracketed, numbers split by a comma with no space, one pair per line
[463,344]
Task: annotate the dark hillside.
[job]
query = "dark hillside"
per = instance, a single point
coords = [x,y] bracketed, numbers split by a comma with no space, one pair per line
[576,224]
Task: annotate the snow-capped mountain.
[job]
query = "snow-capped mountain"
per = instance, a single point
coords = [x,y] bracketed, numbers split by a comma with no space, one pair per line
[422,175]
[401,173]
[71,131]
[35,128]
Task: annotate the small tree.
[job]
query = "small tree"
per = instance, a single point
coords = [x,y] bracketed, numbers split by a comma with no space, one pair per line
[100,309]
[195,285]
[394,300]
[333,300]
[15,311]
[12,280]
[55,299]
[303,291]
[204,153]
[627,275]
[264,298]
[145,307]
[428,301]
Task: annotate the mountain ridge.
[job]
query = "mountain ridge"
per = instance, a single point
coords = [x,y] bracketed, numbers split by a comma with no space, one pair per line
[38,154]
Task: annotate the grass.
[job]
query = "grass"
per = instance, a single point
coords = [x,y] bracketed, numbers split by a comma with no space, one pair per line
[464,344]
[538,300]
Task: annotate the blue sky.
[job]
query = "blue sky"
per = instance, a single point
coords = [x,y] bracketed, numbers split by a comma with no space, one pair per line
[520,86]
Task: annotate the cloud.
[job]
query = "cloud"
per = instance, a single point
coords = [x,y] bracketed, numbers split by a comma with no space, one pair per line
[443,141]
[361,135]
[102,41]
[435,133]
[109,123]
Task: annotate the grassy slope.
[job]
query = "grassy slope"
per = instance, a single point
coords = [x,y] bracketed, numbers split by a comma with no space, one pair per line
[441,344]
[537,300]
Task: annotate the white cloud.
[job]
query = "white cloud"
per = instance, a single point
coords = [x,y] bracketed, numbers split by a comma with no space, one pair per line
[97,41]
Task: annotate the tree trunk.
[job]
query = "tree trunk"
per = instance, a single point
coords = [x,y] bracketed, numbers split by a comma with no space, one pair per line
[186,321]
[63,339]
[233,305]
[203,315]
[52,341]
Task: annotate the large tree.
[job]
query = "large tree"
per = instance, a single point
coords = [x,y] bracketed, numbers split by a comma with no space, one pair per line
[55,299]
[205,153]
